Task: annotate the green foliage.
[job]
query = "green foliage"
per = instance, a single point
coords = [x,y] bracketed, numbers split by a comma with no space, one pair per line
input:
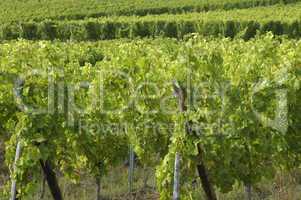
[39,10]
[236,86]
[29,31]
[245,23]
[47,30]
[237,147]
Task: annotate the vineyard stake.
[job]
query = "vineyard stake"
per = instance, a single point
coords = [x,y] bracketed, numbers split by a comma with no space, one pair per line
[131,169]
[178,92]
[203,173]
[248,189]
[98,197]
[100,166]
[46,166]
[176,185]
[14,182]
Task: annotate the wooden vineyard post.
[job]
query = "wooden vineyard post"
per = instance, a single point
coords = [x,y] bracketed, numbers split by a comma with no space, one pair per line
[98,197]
[176,185]
[131,169]
[17,93]
[100,166]
[14,182]
[178,92]
[248,189]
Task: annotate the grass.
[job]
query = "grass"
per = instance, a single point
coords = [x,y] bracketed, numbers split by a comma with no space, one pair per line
[114,186]
[285,186]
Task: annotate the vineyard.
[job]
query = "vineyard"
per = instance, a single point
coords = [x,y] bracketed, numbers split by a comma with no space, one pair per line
[38,10]
[244,23]
[200,98]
